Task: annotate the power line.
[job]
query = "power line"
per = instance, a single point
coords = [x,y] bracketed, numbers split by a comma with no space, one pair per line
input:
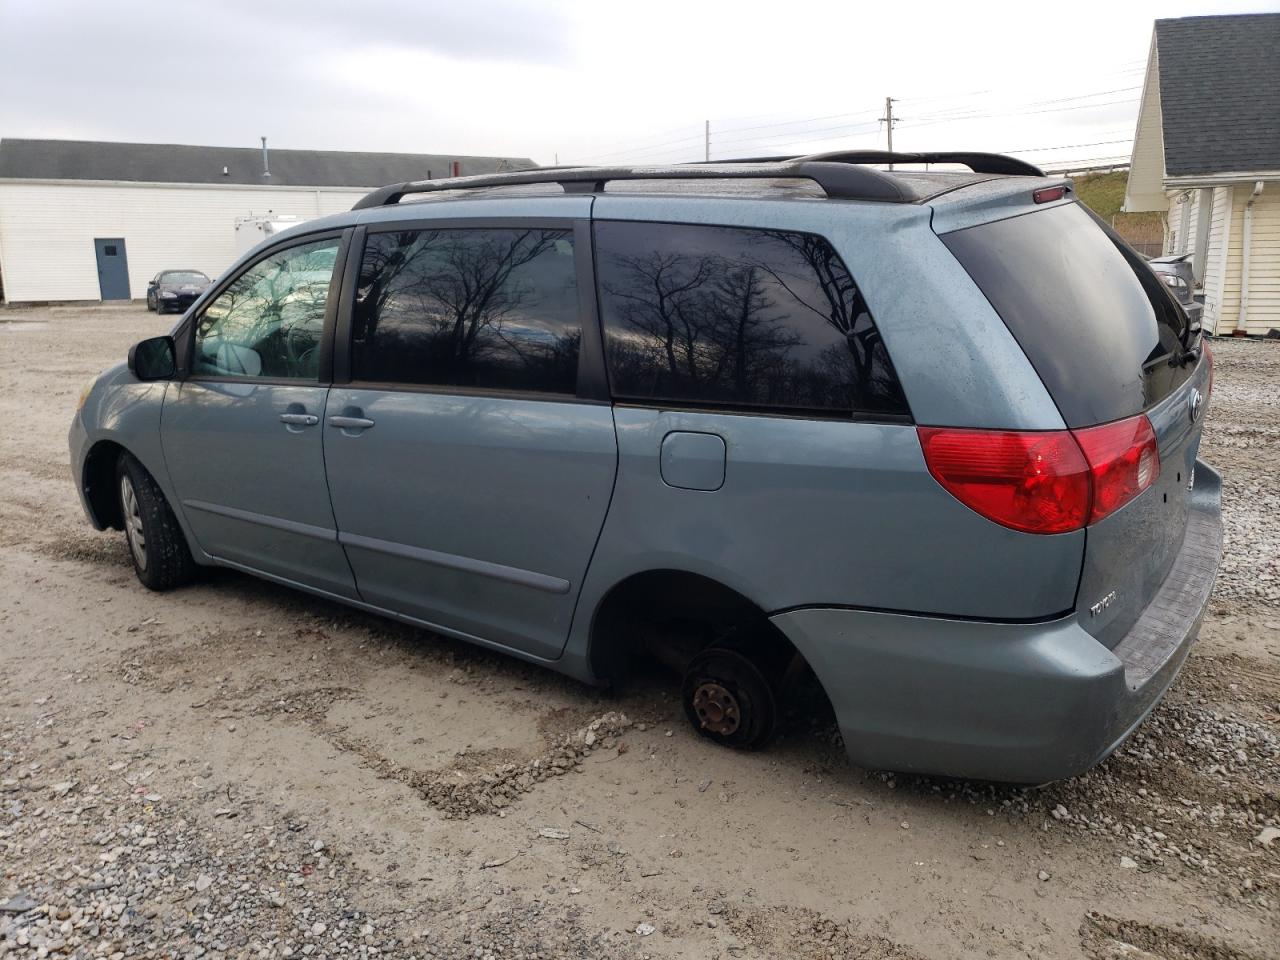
[1064,146]
[929,121]
[1117,159]
[801,136]
[717,133]
[1024,108]
[685,144]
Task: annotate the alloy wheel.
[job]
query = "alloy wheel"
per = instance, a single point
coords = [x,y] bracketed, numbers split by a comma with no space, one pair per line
[133,522]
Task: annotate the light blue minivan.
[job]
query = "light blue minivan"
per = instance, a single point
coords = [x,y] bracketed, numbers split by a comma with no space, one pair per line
[927,437]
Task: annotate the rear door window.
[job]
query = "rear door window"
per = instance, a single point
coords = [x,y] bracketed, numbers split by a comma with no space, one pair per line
[741,318]
[477,308]
[1098,326]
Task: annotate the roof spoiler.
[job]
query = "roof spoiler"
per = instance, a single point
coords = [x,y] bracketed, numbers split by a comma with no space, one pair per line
[841,175]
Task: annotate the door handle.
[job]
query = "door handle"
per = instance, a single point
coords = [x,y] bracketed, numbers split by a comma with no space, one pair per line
[350,423]
[299,419]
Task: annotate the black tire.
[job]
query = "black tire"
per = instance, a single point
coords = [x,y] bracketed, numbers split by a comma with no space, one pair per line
[728,699]
[157,547]
[160,307]
[151,303]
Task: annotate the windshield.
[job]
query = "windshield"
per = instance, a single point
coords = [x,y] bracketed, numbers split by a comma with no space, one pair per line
[183,277]
[1105,336]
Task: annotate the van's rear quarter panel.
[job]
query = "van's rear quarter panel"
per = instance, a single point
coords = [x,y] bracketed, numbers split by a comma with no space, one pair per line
[820,512]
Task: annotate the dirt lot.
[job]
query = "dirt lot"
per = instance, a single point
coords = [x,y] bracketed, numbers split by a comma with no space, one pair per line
[237,770]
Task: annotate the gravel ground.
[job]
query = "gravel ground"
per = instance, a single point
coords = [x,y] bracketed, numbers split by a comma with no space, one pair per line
[236,770]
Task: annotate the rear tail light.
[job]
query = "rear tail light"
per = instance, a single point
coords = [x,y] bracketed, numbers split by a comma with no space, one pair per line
[1044,481]
[1208,358]
[1123,461]
[1035,482]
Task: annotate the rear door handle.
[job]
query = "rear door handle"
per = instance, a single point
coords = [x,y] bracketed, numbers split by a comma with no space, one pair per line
[350,423]
[299,419]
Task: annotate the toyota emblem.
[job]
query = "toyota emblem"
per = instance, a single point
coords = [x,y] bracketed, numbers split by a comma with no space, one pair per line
[1194,404]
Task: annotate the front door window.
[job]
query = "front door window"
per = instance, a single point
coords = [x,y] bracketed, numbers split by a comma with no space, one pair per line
[268,322]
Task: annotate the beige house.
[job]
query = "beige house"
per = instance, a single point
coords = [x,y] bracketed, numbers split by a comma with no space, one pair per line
[1207,155]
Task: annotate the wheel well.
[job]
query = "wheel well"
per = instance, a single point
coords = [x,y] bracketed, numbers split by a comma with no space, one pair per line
[667,613]
[100,483]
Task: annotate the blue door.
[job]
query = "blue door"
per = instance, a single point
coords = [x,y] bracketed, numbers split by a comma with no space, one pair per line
[113,268]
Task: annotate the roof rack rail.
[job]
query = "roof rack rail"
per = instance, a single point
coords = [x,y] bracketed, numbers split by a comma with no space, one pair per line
[841,175]
[997,163]
[977,162]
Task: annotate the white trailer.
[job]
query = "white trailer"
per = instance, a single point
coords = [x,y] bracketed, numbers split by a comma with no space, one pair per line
[252,230]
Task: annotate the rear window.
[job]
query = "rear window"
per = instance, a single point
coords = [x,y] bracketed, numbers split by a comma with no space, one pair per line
[726,317]
[1092,318]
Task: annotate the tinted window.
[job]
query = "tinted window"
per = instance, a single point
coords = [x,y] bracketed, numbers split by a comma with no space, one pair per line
[269,321]
[1094,321]
[496,309]
[747,318]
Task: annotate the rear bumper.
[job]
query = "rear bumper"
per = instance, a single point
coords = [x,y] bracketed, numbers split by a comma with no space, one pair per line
[1026,703]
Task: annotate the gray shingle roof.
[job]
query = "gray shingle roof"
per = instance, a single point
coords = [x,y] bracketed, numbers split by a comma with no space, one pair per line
[177,163]
[1220,93]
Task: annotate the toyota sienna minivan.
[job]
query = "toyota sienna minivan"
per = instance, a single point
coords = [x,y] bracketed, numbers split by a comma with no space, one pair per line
[768,421]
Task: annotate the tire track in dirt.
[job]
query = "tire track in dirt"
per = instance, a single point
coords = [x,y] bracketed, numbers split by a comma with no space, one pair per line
[1109,938]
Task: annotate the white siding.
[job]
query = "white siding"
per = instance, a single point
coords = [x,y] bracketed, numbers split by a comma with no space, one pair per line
[47,230]
[1146,167]
[1215,272]
[1264,262]
[1263,311]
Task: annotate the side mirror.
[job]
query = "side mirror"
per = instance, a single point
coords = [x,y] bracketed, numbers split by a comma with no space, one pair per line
[153,359]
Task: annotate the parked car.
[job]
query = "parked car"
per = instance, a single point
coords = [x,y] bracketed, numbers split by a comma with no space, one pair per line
[771,422]
[171,290]
[1176,273]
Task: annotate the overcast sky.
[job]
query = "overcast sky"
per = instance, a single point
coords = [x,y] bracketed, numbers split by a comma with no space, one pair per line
[585,81]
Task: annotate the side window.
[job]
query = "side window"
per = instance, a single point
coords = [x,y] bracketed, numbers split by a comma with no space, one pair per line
[268,323]
[763,319]
[489,308]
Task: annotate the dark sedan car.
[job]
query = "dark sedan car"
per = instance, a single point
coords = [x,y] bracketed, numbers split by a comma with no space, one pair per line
[175,290]
[1175,272]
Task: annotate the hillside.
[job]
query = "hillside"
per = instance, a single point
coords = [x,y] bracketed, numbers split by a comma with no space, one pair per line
[1103,193]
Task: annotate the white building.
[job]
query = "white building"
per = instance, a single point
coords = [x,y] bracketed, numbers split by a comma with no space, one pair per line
[1207,154]
[96,221]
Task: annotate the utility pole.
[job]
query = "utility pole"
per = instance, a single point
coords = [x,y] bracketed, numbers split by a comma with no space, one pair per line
[888,121]
[706,141]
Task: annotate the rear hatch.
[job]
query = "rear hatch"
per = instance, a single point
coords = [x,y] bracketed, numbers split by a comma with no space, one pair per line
[1110,343]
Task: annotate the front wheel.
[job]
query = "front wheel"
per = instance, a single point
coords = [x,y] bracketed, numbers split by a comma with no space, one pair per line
[728,699]
[157,547]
